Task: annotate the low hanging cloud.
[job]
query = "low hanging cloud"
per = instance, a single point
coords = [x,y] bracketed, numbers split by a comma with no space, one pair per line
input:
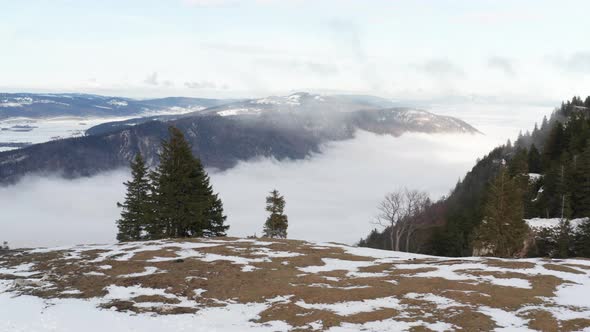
[578,62]
[199,85]
[441,68]
[152,79]
[503,64]
[330,196]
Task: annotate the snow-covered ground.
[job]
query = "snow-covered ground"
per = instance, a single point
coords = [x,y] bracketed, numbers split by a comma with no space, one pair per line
[538,223]
[33,131]
[261,285]
[40,130]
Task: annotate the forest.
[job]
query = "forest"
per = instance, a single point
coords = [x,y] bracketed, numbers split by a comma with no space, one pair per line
[545,174]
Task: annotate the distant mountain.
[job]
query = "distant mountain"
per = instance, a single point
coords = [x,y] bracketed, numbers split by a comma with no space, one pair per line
[280,127]
[84,105]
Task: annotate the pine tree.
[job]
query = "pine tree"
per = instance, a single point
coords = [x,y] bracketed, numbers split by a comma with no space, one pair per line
[545,242]
[214,218]
[276,224]
[534,160]
[564,239]
[582,185]
[137,210]
[503,229]
[582,239]
[186,204]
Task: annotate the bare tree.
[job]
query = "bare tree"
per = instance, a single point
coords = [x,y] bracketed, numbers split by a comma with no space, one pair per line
[390,213]
[398,212]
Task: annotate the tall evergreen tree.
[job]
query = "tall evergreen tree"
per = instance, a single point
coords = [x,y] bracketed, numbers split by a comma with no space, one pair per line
[186,204]
[534,160]
[137,210]
[503,229]
[582,185]
[276,224]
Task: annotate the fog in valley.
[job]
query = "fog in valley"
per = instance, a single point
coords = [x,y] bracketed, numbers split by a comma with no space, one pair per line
[330,196]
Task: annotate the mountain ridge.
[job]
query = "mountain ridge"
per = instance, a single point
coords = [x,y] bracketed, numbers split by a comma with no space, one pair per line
[294,129]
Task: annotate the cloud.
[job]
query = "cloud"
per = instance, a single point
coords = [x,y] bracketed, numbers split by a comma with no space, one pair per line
[152,79]
[330,196]
[210,3]
[205,85]
[318,68]
[441,68]
[51,211]
[578,62]
[226,3]
[503,64]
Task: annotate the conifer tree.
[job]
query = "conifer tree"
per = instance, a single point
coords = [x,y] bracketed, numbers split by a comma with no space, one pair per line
[276,224]
[582,239]
[582,185]
[214,217]
[564,239]
[534,160]
[186,204]
[503,229]
[137,210]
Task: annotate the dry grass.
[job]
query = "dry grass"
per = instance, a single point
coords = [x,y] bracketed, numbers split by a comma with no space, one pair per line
[224,281]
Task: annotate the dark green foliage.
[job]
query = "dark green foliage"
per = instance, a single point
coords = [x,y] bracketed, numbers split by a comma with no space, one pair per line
[185,203]
[215,219]
[535,163]
[276,224]
[582,239]
[136,214]
[178,197]
[565,243]
[581,185]
[545,243]
[558,150]
[503,229]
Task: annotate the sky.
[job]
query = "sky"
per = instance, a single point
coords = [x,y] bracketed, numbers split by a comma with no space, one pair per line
[519,50]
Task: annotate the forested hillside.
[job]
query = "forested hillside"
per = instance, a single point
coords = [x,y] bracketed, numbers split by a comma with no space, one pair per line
[548,169]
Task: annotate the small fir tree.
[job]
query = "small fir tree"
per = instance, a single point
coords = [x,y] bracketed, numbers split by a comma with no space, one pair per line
[276,224]
[136,212]
[582,239]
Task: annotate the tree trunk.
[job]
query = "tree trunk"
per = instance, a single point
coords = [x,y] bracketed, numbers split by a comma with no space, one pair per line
[408,235]
[398,236]
[391,238]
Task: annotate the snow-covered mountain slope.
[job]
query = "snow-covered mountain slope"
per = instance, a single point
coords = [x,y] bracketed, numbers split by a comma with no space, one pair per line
[230,284]
[302,102]
[31,105]
[290,127]
[27,119]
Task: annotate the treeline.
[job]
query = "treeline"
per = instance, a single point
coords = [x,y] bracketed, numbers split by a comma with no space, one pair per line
[545,173]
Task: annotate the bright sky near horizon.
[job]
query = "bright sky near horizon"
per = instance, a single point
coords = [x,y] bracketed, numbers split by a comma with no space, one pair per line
[520,50]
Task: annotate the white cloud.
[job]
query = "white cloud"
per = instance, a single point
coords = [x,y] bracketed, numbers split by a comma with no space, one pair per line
[330,197]
[578,62]
[152,79]
[204,85]
[503,64]
[441,68]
